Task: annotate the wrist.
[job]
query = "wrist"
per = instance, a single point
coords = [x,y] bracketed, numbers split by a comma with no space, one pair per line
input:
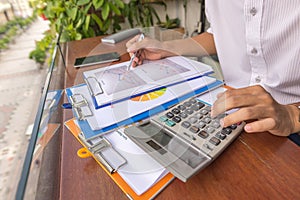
[296,119]
[170,49]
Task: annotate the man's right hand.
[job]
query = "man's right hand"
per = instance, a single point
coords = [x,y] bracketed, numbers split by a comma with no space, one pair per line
[147,49]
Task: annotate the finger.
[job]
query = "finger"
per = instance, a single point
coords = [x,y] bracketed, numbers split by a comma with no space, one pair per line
[133,45]
[260,125]
[132,41]
[238,99]
[251,90]
[138,60]
[230,102]
[135,62]
[244,114]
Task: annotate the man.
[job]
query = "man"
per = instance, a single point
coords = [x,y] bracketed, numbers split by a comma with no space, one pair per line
[257,43]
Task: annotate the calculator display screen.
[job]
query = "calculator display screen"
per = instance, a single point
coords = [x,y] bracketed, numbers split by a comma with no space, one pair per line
[163,142]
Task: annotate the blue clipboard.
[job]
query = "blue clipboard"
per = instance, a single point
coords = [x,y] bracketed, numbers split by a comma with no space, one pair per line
[89,133]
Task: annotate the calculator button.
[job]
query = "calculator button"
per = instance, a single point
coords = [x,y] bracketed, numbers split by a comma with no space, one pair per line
[195,107]
[170,123]
[200,104]
[192,120]
[215,124]
[201,124]
[215,141]
[175,111]
[207,119]
[198,116]
[183,115]
[181,107]
[194,129]
[163,118]
[169,115]
[210,129]
[186,124]
[203,134]
[176,119]
[233,126]
[204,112]
[226,131]
[187,104]
[193,101]
[189,111]
[220,136]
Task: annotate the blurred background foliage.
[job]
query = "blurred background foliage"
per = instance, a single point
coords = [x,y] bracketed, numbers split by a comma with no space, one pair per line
[78,19]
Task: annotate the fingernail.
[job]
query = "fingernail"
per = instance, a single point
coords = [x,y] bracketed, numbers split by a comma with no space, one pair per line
[248,128]
[222,122]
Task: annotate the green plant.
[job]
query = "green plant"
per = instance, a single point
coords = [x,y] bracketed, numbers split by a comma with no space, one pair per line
[169,23]
[3,44]
[39,54]
[142,12]
[83,18]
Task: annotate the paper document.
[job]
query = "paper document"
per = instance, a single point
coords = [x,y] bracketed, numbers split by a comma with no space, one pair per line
[146,104]
[141,171]
[114,83]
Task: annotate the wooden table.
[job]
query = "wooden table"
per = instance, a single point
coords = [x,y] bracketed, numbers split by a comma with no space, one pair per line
[255,166]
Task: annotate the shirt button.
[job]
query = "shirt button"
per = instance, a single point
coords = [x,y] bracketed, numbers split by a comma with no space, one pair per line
[258,79]
[254,51]
[253,11]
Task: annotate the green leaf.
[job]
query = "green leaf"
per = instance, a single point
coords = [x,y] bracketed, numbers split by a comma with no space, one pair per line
[115,9]
[82,2]
[106,25]
[78,36]
[87,22]
[86,9]
[97,20]
[73,13]
[79,23]
[120,3]
[98,3]
[105,11]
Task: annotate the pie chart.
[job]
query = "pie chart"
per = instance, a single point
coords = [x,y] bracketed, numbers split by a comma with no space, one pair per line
[150,96]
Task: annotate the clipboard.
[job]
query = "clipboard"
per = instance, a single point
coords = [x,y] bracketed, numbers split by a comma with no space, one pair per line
[114,83]
[85,152]
[89,116]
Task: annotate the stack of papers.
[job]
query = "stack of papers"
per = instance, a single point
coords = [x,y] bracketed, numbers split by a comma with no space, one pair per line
[114,83]
[133,110]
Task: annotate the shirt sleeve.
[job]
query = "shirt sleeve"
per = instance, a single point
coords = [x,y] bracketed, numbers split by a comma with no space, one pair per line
[209,30]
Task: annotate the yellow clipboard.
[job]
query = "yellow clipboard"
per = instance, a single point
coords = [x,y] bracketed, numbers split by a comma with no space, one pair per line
[84,153]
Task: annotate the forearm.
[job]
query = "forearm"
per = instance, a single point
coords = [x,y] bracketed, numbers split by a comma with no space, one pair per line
[199,45]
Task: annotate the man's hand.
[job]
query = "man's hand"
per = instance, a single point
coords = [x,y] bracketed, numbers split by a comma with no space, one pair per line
[258,106]
[148,48]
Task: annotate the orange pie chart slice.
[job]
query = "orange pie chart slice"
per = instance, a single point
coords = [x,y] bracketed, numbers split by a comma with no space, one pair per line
[150,96]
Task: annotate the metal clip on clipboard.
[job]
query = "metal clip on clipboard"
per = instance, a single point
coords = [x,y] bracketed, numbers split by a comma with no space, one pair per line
[94,86]
[81,106]
[104,153]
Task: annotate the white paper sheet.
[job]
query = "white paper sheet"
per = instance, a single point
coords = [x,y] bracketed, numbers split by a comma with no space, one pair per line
[118,112]
[118,84]
[141,171]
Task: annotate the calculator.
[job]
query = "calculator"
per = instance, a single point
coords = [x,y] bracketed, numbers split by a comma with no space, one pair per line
[184,138]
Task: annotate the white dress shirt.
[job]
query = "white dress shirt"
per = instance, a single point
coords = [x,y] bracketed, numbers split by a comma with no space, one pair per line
[258,42]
